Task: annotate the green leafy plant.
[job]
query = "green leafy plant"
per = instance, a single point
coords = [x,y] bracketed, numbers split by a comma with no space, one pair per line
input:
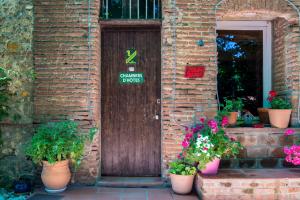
[57,141]
[277,102]
[206,141]
[4,97]
[233,105]
[180,168]
[4,94]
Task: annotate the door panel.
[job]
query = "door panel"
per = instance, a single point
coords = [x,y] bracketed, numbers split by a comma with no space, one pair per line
[130,132]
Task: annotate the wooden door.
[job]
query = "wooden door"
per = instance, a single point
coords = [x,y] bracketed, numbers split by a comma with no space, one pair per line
[130,141]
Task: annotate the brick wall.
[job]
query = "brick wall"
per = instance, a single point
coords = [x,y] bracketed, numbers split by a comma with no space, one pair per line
[279,58]
[61,62]
[67,82]
[196,20]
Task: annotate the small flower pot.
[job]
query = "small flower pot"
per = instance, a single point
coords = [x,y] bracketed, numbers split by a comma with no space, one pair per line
[212,167]
[232,118]
[263,115]
[280,118]
[56,176]
[182,184]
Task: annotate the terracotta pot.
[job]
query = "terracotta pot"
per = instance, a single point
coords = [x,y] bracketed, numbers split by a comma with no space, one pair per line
[263,115]
[232,118]
[211,167]
[182,184]
[280,118]
[56,176]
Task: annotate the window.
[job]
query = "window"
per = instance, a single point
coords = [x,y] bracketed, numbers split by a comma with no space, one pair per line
[244,61]
[131,9]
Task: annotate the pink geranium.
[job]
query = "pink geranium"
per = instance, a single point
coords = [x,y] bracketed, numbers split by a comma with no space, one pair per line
[289,132]
[224,121]
[213,125]
[185,144]
[188,136]
[202,119]
[292,154]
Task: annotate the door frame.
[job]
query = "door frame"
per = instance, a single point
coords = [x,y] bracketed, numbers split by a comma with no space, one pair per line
[132,24]
[266,27]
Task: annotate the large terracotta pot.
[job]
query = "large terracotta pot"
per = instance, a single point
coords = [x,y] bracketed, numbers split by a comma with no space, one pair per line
[56,176]
[280,118]
[182,184]
[212,167]
[232,118]
[263,115]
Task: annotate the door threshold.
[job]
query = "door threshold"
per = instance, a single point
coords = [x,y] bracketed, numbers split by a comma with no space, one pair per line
[132,182]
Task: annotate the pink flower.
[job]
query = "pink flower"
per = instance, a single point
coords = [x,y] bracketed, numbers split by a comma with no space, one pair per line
[289,132]
[212,124]
[186,128]
[205,148]
[292,154]
[188,136]
[202,119]
[233,138]
[185,144]
[224,121]
[179,156]
[214,130]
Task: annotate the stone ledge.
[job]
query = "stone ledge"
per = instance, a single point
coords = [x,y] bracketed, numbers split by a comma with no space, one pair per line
[250,184]
[258,130]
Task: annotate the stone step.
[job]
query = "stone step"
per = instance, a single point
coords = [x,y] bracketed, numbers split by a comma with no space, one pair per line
[131,182]
[248,184]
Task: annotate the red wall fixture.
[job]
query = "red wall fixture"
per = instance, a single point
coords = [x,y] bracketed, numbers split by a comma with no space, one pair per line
[194,71]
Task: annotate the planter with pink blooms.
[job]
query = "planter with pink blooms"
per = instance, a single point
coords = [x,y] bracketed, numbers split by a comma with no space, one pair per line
[206,142]
[280,111]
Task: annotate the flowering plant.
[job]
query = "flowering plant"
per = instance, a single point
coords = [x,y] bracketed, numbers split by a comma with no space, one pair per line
[207,140]
[293,152]
[277,102]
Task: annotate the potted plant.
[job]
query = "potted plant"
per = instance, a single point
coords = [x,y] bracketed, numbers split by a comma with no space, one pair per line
[53,145]
[231,108]
[182,176]
[280,111]
[206,143]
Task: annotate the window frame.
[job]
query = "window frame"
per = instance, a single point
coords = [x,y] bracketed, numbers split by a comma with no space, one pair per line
[266,27]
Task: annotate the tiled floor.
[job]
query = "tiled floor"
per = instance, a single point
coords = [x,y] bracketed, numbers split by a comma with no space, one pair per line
[103,193]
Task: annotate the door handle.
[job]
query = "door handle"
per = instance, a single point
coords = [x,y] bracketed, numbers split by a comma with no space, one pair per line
[156,117]
[158,101]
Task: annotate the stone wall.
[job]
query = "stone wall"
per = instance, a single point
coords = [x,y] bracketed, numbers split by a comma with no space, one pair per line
[16,19]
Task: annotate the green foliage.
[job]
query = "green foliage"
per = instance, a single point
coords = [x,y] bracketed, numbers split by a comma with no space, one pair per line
[233,105]
[4,94]
[180,168]
[279,103]
[57,141]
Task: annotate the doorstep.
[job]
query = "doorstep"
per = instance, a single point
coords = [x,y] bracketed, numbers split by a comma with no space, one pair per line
[242,184]
[131,182]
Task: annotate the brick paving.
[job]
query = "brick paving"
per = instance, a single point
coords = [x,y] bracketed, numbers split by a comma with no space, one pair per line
[104,193]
